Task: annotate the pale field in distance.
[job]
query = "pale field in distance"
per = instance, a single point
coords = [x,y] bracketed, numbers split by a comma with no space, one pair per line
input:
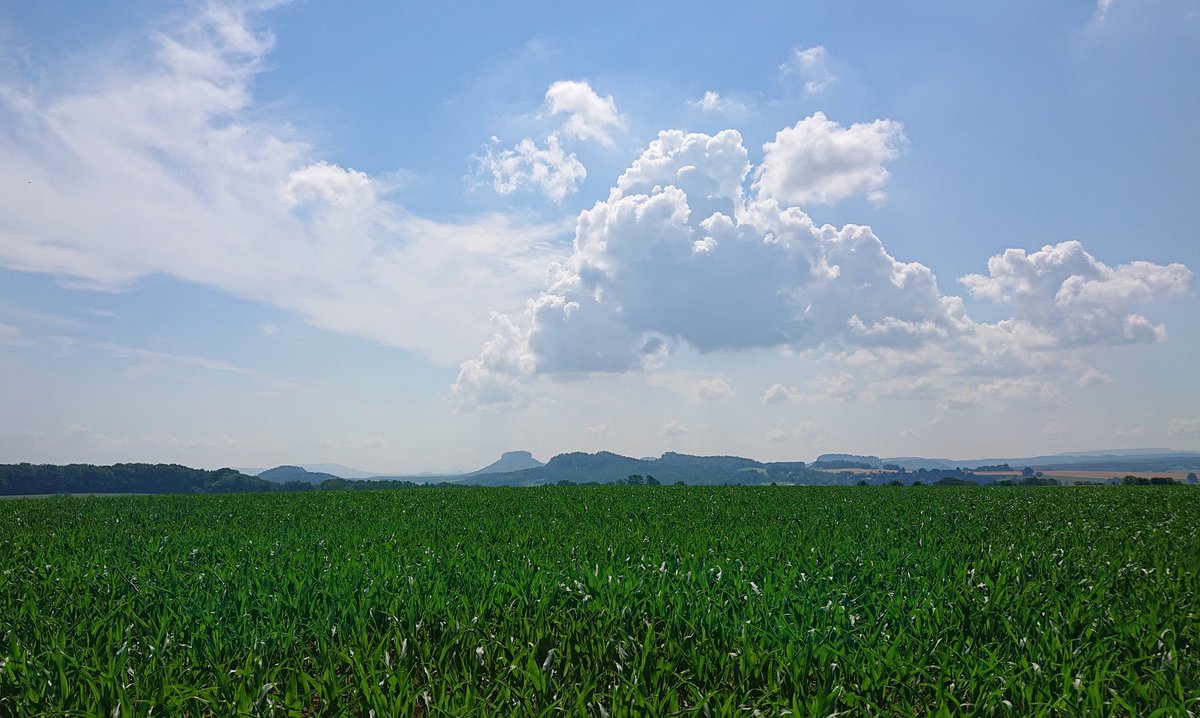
[1065,475]
[1060,475]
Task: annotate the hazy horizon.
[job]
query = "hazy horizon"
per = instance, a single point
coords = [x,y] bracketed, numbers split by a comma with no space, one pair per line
[405,239]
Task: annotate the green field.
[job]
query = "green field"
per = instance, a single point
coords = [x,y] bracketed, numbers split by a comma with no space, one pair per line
[605,600]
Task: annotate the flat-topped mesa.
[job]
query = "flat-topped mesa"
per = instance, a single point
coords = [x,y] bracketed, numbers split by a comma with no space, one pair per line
[510,461]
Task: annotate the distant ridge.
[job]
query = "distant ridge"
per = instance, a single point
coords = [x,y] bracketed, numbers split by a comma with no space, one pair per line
[605,467]
[1122,452]
[520,468]
[1099,460]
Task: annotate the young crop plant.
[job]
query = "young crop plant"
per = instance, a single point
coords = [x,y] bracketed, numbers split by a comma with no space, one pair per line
[604,601]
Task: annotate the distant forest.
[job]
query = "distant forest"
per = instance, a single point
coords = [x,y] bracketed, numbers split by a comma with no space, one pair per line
[33,479]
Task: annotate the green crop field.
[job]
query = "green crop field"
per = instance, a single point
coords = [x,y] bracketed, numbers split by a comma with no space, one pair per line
[605,600]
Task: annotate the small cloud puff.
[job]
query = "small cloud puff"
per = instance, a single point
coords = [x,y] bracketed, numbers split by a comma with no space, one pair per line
[778,394]
[674,427]
[837,388]
[589,116]
[715,102]
[549,168]
[324,182]
[810,65]
[372,442]
[1093,377]
[555,172]
[1185,427]
[788,432]
[693,386]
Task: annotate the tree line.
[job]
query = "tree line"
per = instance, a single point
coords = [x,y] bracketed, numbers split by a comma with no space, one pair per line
[34,479]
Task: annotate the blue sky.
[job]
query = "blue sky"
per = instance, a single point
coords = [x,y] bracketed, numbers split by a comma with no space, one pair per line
[409,238]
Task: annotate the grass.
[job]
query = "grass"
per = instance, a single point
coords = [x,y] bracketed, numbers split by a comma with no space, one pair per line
[604,601]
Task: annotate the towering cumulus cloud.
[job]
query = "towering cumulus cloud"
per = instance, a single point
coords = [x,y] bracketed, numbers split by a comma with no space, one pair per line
[680,253]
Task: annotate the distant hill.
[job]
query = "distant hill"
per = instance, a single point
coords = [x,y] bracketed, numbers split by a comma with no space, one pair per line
[1120,460]
[1115,462]
[281,474]
[606,467]
[340,470]
[23,479]
[509,461]
[35,479]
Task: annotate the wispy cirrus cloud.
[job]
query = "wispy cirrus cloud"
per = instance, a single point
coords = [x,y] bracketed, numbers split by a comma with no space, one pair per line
[169,167]
[12,335]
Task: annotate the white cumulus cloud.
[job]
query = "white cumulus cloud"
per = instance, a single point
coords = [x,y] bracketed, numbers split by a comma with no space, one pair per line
[497,377]
[819,161]
[589,116]
[779,393]
[1063,296]
[550,169]
[323,182]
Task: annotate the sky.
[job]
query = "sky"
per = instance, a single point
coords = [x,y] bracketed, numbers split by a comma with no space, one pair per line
[408,237]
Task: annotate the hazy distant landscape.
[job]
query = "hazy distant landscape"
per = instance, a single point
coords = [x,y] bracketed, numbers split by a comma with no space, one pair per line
[520,468]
